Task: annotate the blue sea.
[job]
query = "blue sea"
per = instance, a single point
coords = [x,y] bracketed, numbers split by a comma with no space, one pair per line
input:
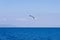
[29,33]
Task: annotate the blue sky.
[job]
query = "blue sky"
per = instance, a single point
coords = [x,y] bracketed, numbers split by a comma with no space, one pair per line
[16,12]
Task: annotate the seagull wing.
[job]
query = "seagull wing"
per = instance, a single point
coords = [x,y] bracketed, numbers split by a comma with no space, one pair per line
[32,16]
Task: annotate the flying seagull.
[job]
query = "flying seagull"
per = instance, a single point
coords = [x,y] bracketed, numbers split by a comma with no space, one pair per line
[32,16]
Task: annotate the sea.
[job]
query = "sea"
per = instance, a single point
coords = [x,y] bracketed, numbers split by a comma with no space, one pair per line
[29,33]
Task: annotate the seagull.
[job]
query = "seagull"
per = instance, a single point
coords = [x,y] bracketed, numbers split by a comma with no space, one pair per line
[32,16]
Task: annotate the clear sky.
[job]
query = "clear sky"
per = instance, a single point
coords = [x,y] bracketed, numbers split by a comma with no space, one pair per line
[16,12]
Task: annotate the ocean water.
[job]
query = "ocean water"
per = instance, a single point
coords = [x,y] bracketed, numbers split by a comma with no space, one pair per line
[29,33]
